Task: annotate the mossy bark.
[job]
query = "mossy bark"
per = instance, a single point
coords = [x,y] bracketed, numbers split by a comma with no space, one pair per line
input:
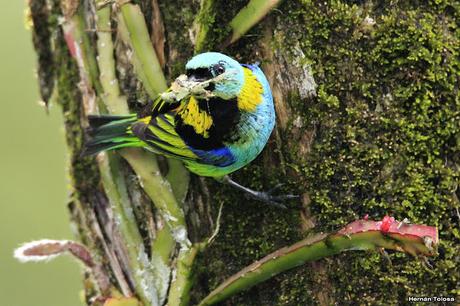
[368,122]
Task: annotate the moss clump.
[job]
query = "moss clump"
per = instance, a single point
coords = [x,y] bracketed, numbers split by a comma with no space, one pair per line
[386,122]
[387,117]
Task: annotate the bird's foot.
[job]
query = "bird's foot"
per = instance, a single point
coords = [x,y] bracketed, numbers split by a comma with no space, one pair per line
[272,200]
[267,197]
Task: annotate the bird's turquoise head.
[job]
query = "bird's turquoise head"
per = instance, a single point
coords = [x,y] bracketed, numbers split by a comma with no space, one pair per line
[224,75]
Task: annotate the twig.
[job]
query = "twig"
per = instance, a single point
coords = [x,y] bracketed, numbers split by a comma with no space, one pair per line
[217,229]
[249,16]
[158,33]
[133,30]
[45,250]
[115,103]
[180,287]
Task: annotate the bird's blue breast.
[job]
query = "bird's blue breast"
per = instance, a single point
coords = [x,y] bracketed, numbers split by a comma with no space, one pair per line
[255,127]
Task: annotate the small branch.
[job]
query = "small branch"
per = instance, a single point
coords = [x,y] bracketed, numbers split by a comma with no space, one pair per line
[249,16]
[115,103]
[133,30]
[246,18]
[146,167]
[217,228]
[358,235]
[179,293]
[45,250]
[179,179]
[158,33]
[159,190]
[74,37]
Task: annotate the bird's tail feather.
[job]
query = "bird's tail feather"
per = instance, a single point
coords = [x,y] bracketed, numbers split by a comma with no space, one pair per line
[110,132]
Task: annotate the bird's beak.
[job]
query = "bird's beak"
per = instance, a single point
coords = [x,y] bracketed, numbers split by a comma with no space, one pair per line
[195,79]
[184,87]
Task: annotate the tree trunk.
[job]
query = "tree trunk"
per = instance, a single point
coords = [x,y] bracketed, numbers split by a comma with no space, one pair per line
[368,122]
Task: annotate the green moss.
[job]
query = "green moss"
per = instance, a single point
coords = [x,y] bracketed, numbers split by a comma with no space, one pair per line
[41,36]
[269,228]
[83,170]
[387,114]
[177,19]
[386,121]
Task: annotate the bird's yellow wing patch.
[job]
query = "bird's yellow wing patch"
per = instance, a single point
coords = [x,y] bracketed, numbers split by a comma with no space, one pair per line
[145,120]
[251,93]
[199,119]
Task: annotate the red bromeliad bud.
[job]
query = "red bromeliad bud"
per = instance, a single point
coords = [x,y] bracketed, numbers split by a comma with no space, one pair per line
[389,226]
[386,223]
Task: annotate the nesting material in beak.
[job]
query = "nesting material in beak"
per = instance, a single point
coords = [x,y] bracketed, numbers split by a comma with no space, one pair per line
[183,87]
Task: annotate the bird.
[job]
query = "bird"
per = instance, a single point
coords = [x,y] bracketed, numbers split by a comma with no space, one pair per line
[216,118]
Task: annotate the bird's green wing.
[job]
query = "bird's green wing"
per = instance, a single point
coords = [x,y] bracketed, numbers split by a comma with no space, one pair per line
[159,134]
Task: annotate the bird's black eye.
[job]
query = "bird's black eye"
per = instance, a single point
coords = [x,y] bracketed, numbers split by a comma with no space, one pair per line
[218,69]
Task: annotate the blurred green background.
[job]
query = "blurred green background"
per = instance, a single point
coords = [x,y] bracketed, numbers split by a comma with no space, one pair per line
[33,183]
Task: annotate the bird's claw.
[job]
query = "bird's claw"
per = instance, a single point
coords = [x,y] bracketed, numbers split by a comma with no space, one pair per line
[273,200]
[276,188]
[266,197]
